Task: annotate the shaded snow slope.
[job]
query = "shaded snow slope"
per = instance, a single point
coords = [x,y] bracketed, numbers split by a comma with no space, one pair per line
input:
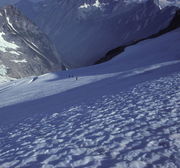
[24,49]
[174,24]
[85,31]
[122,113]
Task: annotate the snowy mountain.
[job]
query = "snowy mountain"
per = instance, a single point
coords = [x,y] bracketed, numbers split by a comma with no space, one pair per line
[124,113]
[24,49]
[85,31]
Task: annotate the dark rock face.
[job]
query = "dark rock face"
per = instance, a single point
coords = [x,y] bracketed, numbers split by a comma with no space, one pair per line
[24,49]
[84,31]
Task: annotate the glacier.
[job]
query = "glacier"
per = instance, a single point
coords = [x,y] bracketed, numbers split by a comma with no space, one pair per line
[119,114]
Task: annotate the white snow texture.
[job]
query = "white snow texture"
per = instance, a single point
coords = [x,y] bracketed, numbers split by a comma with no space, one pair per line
[121,114]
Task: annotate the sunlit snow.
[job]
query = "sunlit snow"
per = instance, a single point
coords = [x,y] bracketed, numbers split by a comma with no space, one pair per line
[164,3]
[14,52]
[20,61]
[96,4]
[5,45]
[85,5]
[3,70]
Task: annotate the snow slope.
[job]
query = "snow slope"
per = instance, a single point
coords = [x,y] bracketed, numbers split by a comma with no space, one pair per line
[123,113]
[135,128]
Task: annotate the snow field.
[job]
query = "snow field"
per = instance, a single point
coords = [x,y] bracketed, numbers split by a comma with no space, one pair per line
[137,128]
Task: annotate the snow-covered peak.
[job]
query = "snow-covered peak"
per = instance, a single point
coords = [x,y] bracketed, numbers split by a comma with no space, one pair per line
[97,4]
[164,3]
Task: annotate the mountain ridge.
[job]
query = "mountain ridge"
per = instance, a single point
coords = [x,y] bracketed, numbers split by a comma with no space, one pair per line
[24,49]
[87,30]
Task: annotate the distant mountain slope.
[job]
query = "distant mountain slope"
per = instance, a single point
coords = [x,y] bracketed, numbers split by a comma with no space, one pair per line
[174,24]
[84,31]
[24,49]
